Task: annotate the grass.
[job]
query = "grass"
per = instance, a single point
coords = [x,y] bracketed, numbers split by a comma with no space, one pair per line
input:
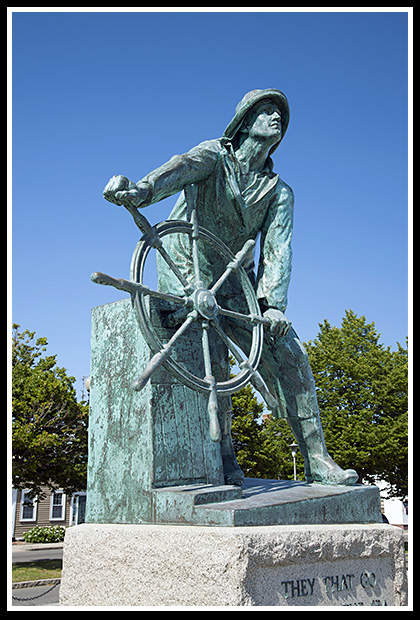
[32,571]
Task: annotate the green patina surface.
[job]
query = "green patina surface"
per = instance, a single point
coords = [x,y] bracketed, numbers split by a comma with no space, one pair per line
[268,502]
[150,435]
[151,459]
[228,187]
[141,440]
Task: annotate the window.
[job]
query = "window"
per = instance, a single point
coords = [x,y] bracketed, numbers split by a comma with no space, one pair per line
[58,506]
[27,507]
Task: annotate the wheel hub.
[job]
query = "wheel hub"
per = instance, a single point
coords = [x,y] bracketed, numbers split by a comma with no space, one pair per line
[205,303]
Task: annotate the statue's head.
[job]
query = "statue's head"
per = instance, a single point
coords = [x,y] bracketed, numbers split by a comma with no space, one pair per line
[247,105]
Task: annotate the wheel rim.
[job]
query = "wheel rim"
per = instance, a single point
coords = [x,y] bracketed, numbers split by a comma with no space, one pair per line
[141,252]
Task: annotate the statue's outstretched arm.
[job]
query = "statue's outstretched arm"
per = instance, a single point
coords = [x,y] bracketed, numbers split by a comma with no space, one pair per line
[170,178]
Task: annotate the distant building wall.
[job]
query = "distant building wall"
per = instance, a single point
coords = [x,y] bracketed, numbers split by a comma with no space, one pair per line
[56,509]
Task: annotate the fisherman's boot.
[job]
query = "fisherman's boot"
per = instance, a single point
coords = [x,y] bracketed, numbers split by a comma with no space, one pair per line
[319,466]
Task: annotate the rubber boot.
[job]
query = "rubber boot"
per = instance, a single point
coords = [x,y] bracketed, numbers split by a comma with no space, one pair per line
[319,466]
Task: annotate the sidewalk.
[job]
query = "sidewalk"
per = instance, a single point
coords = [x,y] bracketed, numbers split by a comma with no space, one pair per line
[22,546]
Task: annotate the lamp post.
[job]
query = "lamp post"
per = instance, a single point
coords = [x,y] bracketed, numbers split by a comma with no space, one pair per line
[294,447]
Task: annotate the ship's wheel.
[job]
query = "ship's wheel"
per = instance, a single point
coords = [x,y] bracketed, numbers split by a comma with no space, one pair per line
[200,305]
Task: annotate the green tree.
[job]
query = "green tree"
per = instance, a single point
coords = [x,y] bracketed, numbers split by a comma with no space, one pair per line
[49,426]
[246,432]
[362,390]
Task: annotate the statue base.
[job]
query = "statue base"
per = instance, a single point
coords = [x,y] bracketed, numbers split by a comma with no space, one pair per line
[129,565]
[266,502]
[151,459]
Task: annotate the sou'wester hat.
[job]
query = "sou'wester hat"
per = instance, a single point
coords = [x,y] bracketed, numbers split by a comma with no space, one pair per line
[249,100]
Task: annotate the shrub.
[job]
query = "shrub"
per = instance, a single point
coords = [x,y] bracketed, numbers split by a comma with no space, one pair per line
[47,534]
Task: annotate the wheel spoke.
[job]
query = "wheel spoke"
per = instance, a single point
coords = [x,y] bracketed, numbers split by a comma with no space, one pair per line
[255,378]
[249,318]
[160,357]
[228,342]
[135,287]
[175,269]
[213,410]
[156,242]
[206,349]
[235,264]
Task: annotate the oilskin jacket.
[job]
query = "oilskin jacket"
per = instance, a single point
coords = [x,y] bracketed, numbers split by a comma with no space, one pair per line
[232,211]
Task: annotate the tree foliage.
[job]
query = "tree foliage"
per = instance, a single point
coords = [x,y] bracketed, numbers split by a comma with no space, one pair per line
[49,426]
[362,390]
[250,449]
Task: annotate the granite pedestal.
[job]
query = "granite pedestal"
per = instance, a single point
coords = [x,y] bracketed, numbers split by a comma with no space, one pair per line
[273,565]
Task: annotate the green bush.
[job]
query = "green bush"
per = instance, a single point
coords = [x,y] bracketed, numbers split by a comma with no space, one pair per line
[47,534]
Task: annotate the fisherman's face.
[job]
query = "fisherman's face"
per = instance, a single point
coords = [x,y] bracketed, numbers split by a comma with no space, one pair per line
[265,122]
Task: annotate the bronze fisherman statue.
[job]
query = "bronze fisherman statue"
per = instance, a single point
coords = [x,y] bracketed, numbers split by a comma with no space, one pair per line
[238,196]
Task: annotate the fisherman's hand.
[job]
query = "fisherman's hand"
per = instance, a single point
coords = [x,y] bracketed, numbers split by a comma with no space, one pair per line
[122,191]
[280,325]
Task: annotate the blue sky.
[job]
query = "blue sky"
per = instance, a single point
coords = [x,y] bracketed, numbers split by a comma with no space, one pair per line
[102,93]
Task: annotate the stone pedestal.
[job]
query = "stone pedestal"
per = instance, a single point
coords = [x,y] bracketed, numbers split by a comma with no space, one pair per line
[141,441]
[173,565]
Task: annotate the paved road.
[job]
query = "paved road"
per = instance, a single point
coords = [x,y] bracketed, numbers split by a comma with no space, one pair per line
[22,554]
